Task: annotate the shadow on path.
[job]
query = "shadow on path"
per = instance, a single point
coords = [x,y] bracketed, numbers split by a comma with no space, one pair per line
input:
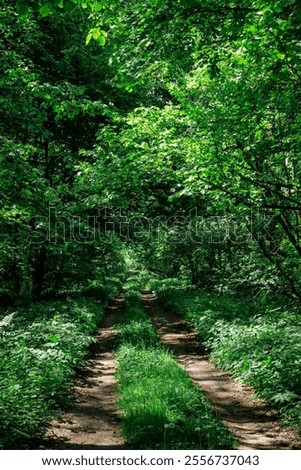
[92,422]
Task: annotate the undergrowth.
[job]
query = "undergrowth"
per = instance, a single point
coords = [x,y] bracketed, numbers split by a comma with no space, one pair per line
[41,347]
[255,342]
[161,408]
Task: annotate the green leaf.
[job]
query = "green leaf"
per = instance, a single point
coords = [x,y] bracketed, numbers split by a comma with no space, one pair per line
[22,9]
[54,339]
[97,7]
[45,10]
[98,34]
[88,38]
[253,28]
[102,40]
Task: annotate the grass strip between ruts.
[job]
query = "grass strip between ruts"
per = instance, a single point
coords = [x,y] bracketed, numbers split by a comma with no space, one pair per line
[161,407]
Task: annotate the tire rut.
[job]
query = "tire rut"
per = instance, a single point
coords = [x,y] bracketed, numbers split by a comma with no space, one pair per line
[93,422]
[253,423]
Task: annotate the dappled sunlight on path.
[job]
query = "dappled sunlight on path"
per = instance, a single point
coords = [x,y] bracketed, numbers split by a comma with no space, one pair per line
[92,422]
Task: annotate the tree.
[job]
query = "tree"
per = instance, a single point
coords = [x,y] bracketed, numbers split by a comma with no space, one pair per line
[243,157]
[191,110]
[56,95]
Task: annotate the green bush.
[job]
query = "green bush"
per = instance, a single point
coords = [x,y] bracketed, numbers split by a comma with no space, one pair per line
[159,285]
[103,291]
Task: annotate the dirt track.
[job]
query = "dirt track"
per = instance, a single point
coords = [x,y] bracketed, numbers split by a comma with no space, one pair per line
[93,421]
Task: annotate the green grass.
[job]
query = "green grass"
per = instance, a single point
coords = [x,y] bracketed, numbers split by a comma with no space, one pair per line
[135,327]
[258,344]
[41,347]
[161,408]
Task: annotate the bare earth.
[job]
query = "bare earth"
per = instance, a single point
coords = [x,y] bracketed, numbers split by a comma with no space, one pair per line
[254,424]
[93,420]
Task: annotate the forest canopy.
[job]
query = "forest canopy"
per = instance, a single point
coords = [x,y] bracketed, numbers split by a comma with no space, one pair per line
[169,128]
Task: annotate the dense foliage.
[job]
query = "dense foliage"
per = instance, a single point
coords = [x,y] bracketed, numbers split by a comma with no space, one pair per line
[154,136]
[56,94]
[235,167]
[184,127]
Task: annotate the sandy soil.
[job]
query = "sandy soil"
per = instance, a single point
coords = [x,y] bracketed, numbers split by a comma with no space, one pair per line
[254,424]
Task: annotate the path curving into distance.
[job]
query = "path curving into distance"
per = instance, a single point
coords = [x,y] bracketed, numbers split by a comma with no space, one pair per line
[253,423]
[93,422]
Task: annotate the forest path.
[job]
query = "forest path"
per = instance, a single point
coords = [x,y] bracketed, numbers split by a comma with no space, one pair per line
[92,422]
[253,423]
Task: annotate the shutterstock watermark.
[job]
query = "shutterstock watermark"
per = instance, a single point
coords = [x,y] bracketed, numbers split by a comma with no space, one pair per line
[108,224]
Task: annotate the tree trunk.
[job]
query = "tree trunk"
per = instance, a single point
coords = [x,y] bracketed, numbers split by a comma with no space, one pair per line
[39,273]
